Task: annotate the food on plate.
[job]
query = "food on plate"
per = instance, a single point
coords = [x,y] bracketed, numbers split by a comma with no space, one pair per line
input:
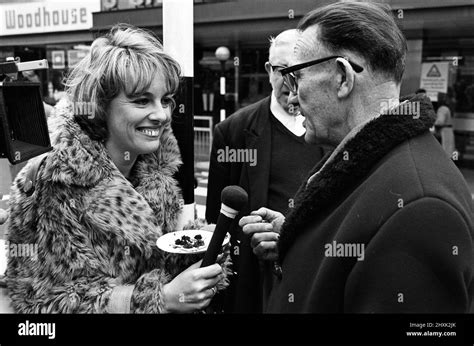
[187,242]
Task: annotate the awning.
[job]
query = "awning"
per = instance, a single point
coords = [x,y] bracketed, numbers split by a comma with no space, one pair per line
[46,38]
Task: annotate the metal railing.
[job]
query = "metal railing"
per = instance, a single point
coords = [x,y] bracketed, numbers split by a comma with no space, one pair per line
[203,137]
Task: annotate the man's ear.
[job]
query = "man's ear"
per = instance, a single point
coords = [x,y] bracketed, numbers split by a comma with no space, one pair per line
[347,78]
[268,68]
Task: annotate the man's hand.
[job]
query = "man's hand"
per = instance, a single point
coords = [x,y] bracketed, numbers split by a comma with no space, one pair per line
[264,226]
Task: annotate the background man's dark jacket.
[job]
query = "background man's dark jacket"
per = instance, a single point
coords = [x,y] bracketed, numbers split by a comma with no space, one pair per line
[248,128]
[399,194]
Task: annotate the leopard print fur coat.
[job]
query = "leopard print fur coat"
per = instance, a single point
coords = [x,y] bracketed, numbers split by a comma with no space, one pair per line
[95,231]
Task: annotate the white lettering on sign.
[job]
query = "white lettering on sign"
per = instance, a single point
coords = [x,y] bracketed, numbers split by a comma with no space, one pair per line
[48,16]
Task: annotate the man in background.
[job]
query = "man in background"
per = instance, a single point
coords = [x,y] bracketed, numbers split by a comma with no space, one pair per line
[261,148]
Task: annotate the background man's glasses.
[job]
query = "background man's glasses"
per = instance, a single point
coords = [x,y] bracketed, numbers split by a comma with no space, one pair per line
[289,77]
[279,68]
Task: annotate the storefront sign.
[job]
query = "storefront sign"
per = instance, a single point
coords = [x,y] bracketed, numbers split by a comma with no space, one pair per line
[434,78]
[58,58]
[46,16]
[74,56]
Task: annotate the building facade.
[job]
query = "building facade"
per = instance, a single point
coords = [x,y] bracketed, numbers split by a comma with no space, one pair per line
[58,31]
[440,38]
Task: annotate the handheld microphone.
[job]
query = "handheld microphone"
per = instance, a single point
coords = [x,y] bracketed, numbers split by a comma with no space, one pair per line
[233,199]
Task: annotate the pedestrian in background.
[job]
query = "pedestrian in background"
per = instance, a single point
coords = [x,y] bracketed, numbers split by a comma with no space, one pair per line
[444,124]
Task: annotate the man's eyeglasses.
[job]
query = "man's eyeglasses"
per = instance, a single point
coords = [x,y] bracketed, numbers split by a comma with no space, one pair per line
[290,79]
[276,68]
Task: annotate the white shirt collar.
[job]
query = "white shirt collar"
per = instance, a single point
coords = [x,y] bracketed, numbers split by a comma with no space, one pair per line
[293,123]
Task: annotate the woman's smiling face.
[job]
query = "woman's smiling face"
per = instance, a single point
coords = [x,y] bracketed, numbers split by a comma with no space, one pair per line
[136,122]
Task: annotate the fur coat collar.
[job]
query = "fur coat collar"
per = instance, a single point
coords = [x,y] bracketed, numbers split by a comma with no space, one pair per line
[332,177]
[72,145]
[77,160]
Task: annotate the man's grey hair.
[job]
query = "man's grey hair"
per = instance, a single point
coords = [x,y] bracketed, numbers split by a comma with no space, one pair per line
[367,29]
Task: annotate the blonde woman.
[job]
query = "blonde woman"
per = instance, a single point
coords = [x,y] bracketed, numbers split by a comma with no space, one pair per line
[106,193]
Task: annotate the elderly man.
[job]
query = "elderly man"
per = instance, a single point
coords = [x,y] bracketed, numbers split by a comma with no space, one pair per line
[276,160]
[385,223]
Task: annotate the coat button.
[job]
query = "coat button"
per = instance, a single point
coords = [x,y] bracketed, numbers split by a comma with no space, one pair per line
[277,271]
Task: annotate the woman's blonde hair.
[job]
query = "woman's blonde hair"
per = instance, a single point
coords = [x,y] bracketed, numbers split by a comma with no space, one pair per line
[125,59]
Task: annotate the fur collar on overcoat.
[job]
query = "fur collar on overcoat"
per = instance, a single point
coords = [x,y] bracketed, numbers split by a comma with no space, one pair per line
[375,140]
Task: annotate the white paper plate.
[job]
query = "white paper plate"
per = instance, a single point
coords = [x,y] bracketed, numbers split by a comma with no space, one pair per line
[167,241]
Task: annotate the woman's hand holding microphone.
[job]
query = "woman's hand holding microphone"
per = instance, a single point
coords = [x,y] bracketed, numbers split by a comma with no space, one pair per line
[193,289]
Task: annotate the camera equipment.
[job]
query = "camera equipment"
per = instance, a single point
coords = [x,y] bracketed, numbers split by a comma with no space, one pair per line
[23,127]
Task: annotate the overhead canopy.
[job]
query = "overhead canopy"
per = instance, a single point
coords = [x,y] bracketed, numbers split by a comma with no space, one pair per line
[250,22]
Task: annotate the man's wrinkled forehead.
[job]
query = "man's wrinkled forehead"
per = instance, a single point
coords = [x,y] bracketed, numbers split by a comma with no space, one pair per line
[307,45]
